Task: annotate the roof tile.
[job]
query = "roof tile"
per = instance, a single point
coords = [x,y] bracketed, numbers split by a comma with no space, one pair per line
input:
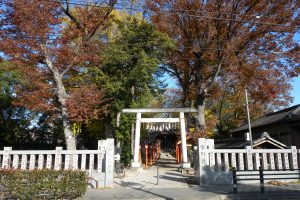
[290,114]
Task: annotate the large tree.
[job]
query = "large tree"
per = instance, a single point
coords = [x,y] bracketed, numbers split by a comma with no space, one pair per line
[216,38]
[49,42]
[130,69]
[268,92]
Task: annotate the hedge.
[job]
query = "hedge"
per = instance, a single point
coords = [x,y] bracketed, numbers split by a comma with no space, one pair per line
[42,184]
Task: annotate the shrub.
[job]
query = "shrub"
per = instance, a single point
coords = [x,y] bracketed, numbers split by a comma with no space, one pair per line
[42,184]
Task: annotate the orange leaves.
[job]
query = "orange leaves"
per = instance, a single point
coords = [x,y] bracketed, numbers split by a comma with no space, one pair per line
[34,92]
[217,44]
[66,33]
[86,102]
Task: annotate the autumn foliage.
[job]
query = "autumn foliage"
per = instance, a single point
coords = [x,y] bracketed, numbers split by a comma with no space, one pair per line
[220,43]
[87,95]
[68,52]
[51,42]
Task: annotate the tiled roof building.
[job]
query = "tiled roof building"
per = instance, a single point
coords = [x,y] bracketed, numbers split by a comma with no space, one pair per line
[282,126]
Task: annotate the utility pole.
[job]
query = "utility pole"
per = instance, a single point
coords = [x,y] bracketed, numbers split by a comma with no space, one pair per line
[248,115]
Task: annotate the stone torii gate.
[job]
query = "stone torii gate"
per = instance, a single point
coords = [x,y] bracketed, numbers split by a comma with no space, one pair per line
[139,120]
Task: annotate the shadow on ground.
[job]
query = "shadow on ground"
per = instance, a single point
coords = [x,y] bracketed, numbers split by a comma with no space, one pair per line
[140,188]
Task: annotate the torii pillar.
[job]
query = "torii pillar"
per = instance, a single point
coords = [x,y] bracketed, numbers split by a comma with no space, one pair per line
[185,164]
[136,162]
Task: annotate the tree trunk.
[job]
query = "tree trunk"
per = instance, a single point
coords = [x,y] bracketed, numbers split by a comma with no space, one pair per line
[201,117]
[200,106]
[200,95]
[62,97]
[188,116]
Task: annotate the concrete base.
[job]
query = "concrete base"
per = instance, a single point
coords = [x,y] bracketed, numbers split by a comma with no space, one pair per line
[136,165]
[186,165]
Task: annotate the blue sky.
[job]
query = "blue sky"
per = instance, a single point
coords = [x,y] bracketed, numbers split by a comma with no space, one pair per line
[296,91]
[296,81]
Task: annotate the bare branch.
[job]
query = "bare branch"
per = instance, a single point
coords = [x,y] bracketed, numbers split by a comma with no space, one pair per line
[65,71]
[212,80]
[95,29]
[69,14]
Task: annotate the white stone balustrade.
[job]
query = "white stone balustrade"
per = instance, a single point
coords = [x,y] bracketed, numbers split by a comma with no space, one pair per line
[214,165]
[99,163]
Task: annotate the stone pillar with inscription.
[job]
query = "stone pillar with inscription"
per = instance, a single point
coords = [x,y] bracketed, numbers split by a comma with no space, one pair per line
[108,146]
[109,163]
[202,160]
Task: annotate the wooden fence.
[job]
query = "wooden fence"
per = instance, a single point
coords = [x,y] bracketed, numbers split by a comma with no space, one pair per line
[213,166]
[99,164]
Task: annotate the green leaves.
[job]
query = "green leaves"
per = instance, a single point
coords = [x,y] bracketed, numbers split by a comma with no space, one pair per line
[8,79]
[132,59]
[130,69]
[43,184]
[122,134]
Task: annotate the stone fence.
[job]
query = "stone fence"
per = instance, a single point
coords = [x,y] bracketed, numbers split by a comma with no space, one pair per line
[213,166]
[99,164]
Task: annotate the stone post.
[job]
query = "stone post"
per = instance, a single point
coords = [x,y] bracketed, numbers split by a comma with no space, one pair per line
[58,158]
[109,163]
[294,157]
[108,146]
[16,161]
[75,162]
[24,162]
[48,161]
[32,162]
[6,157]
[249,158]
[41,161]
[202,161]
